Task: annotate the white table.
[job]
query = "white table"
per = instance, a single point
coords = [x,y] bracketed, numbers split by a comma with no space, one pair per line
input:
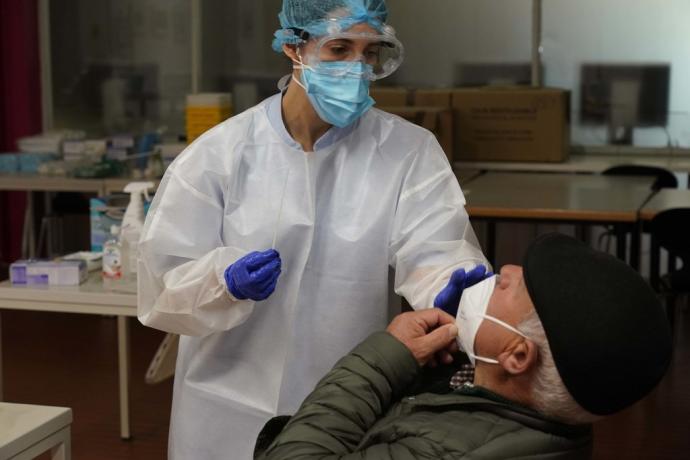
[28,431]
[88,298]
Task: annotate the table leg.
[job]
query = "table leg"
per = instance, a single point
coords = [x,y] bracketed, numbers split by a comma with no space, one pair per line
[123,365]
[28,239]
[654,257]
[62,451]
[621,243]
[1,395]
[635,242]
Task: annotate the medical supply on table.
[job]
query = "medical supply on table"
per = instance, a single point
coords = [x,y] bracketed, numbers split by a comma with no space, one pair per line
[94,260]
[146,145]
[81,150]
[112,259]
[449,298]
[105,211]
[48,272]
[120,147]
[48,142]
[155,167]
[100,169]
[9,163]
[132,225]
[28,163]
[58,168]
[204,111]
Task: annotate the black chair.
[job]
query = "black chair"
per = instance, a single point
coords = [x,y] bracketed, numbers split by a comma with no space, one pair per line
[670,230]
[664,179]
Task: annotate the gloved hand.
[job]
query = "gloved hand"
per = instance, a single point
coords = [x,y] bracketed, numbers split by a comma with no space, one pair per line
[254,276]
[448,299]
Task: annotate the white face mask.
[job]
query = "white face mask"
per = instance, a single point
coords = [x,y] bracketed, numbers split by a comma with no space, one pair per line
[471,313]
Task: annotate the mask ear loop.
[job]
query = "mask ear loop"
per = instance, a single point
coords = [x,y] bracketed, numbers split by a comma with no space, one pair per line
[505,325]
[300,66]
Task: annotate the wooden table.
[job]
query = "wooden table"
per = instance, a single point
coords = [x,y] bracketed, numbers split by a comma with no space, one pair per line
[665,199]
[563,198]
[88,298]
[27,431]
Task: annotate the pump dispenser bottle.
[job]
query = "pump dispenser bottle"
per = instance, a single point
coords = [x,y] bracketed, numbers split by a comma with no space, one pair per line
[132,225]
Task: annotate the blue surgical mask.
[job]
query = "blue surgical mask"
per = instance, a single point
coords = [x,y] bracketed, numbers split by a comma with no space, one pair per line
[338,90]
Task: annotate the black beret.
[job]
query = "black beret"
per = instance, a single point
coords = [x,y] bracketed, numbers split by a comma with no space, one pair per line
[606,328]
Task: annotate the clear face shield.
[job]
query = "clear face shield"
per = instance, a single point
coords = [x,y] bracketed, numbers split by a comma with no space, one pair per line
[381,54]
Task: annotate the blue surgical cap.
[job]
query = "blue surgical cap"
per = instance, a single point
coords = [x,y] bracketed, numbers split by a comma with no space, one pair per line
[322,17]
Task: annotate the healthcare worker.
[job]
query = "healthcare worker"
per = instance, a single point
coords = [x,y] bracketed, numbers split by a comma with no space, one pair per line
[269,241]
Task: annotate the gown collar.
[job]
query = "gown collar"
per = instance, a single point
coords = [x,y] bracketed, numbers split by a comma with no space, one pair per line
[275,118]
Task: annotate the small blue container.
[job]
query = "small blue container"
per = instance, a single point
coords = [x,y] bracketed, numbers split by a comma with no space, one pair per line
[9,163]
[29,162]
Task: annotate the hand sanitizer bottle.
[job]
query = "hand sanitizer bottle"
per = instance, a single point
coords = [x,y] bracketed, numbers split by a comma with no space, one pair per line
[112,260]
[132,225]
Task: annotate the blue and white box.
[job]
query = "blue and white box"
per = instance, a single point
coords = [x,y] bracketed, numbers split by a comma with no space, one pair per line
[48,272]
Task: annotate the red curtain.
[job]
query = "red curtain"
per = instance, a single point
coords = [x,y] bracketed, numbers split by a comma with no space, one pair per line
[20,105]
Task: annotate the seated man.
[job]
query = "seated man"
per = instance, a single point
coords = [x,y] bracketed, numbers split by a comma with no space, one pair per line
[572,336]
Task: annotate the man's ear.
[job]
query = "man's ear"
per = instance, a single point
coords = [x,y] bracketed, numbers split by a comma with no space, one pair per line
[520,359]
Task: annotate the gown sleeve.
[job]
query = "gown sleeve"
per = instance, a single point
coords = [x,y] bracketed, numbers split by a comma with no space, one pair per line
[431,233]
[182,258]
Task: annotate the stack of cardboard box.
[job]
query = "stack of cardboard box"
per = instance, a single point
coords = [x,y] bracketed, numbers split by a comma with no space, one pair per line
[488,123]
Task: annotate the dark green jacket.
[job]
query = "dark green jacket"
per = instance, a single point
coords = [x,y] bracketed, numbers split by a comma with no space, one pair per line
[360,411]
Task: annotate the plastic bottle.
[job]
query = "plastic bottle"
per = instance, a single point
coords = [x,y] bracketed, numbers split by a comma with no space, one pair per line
[132,225]
[112,260]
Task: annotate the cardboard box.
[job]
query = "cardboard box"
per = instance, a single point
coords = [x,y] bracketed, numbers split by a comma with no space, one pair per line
[387,96]
[432,97]
[511,124]
[443,129]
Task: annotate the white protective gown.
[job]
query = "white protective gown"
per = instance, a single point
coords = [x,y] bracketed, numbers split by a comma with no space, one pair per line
[381,196]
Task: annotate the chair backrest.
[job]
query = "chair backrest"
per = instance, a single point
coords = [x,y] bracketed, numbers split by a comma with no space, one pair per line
[664,177]
[671,229]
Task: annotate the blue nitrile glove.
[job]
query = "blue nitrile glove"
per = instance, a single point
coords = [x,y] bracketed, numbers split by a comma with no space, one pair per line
[254,276]
[448,299]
